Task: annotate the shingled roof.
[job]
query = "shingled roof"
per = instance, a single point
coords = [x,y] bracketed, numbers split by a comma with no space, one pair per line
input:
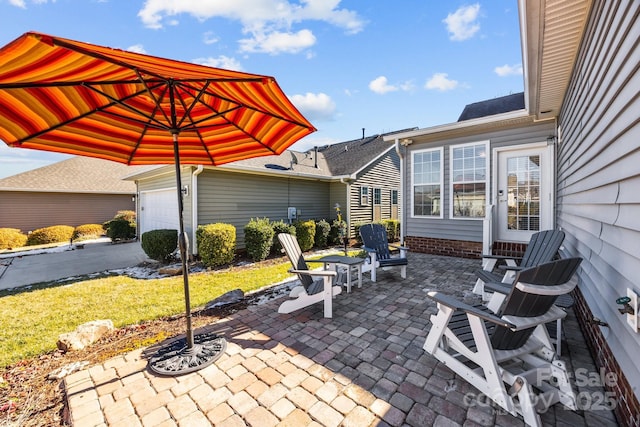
[346,158]
[74,175]
[490,107]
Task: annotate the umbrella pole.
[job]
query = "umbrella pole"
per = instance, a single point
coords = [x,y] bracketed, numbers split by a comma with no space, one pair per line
[183,244]
[193,352]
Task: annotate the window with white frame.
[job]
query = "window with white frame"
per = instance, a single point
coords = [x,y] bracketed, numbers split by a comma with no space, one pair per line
[426,182]
[364,195]
[469,180]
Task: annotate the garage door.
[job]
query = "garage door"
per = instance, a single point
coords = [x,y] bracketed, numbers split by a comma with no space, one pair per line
[158,209]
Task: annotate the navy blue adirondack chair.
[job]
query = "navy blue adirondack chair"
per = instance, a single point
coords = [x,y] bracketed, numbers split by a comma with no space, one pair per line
[376,243]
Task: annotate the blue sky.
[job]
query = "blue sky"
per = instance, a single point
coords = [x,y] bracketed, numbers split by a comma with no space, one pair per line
[346,65]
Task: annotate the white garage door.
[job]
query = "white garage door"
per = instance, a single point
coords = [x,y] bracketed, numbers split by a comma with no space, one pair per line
[158,210]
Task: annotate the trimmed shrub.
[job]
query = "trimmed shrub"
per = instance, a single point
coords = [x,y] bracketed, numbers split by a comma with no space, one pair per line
[280,227]
[87,231]
[11,238]
[216,243]
[305,233]
[53,234]
[393,229]
[159,244]
[323,228]
[258,238]
[122,226]
[338,230]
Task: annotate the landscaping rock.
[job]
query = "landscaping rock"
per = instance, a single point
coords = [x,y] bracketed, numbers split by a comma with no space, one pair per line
[231,297]
[62,372]
[84,335]
[170,270]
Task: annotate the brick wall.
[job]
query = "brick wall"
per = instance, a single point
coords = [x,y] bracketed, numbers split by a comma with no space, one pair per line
[457,248]
[627,408]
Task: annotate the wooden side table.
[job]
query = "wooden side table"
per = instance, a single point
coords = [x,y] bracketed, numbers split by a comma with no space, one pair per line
[348,263]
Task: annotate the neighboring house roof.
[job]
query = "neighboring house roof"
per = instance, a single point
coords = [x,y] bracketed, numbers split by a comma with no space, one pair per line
[327,162]
[490,107]
[74,175]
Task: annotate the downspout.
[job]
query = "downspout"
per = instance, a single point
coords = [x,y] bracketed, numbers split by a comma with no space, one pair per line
[403,216]
[194,207]
[347,211]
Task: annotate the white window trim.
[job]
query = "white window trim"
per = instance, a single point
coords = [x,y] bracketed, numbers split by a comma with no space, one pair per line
[368,200]
[487,168]
[373,196]
[413,153]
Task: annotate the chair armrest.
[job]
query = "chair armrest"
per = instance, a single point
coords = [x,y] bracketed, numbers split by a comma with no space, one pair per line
[314,272]
[502,288]
[368,249]
[510,267]
[502,257]
[459,305]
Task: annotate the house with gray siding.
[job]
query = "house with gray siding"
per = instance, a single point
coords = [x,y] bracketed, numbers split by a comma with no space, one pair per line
[76,191]
[568,157]
[361,176]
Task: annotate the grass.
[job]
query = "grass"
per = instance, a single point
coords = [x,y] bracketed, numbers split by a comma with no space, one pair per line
[32,321]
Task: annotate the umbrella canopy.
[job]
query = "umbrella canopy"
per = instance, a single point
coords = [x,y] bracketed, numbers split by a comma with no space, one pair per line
[77,98]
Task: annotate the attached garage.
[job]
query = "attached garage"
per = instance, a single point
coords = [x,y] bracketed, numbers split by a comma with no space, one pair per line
[158,210]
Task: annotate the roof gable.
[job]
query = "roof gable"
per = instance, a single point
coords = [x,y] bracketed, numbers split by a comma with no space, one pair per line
[74,175]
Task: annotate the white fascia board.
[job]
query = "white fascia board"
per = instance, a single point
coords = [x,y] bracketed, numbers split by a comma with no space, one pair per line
[465,124]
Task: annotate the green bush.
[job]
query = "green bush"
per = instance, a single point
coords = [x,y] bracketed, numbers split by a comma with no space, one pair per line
[122,226]
[306,233]
[87,231]
[280,227]
[323,228]
[159,244]
[393,229]
[338,230]
[258,238]
[53,234]
[216,243]
[11,238]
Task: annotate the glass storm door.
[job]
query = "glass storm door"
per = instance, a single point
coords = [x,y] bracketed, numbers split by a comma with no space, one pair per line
[524,193]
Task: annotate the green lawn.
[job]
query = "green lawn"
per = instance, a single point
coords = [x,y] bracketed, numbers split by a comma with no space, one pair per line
[32,320]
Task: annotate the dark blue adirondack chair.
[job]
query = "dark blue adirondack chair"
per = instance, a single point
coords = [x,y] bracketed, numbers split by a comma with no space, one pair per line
[376,243]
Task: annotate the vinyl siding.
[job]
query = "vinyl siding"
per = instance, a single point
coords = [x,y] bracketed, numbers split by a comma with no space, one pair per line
[599,172]
[28,211]
[235,198]
[384,173]
[460,229]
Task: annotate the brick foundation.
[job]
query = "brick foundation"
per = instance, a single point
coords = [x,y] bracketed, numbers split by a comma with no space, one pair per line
[627,408]
[457,248]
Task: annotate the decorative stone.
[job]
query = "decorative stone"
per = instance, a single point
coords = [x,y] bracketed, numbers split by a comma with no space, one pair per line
[170,271]
[84,335]
[231,297]
[62,372]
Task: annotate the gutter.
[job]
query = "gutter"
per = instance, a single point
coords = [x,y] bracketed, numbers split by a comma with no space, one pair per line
[194,207]
[347,181]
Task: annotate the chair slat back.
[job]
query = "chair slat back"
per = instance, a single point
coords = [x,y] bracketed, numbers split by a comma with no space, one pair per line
[526,304]
[294,253]
[543,247]
[374,236]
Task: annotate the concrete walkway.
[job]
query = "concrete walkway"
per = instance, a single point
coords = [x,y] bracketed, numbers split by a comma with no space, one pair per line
[22,270]
[364,367]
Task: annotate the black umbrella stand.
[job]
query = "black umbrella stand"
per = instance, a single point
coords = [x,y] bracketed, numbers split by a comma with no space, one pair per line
[190,353]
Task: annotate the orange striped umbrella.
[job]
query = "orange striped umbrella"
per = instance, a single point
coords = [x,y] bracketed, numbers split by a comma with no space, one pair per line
[77,98]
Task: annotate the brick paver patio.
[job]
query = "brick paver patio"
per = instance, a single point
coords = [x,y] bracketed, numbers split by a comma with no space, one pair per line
[364,367]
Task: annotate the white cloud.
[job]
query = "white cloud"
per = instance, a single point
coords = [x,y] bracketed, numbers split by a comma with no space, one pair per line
[315,106]
[209,38]
[220,62]
[509,70]
[137,48]
[441,82]
[381,85]
[462,24]
[267,22]
[277,42]
[18,3]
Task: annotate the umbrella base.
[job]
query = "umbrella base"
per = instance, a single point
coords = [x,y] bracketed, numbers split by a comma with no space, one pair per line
[177,359]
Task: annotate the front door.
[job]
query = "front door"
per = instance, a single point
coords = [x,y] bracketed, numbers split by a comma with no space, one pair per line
[524,192]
